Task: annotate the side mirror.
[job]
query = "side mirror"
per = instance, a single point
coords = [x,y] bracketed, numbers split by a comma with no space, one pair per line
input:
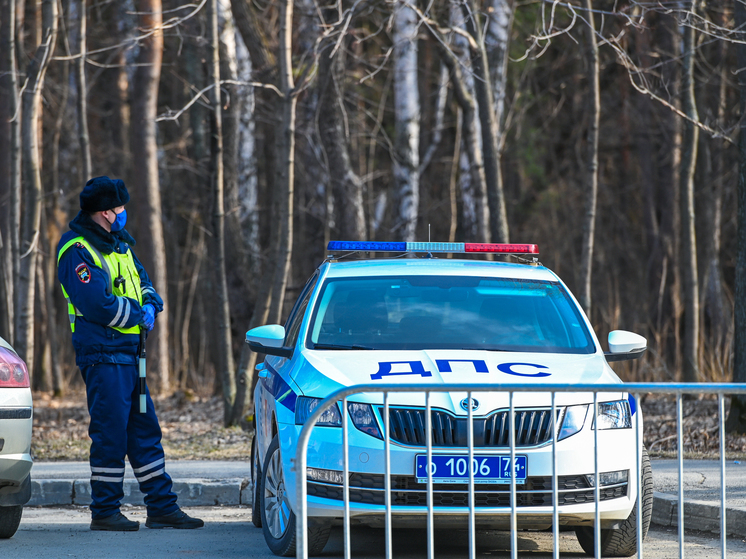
[268,339]
[625,345]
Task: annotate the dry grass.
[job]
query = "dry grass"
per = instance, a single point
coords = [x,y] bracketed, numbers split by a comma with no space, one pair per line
[191,425]
[192,429]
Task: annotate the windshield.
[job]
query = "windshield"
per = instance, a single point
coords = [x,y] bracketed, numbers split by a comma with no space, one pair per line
[447,312]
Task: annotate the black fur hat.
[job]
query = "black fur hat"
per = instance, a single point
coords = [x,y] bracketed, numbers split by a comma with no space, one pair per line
[103,193]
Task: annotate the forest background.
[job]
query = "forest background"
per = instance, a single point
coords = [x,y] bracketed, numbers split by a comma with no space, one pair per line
[249,133]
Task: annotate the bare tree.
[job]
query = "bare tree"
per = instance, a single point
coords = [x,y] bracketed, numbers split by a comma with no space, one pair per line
[10,182]
[591,174]
[736,422]
[346,185]
[225,349]
[32,193]
[279,136]
[146,183]
[473,179]
[79,41]
[689,241]
[407,119]
[499,230]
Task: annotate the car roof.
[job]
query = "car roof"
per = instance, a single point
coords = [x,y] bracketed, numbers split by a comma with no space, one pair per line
[437,266]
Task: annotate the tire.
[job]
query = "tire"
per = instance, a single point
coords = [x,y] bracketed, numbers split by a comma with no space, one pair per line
[622,541]
[256,474]
[278,519]
[10,519]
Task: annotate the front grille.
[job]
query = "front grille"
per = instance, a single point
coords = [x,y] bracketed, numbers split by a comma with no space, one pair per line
[532,427]
[406,491]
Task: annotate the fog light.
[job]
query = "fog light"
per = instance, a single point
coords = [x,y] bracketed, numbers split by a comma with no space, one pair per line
[327,476]
[609,478]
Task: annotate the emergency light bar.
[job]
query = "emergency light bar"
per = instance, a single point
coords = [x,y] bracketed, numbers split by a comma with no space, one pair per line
[360,246]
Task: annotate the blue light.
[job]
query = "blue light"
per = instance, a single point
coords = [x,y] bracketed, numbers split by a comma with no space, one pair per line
[370,247]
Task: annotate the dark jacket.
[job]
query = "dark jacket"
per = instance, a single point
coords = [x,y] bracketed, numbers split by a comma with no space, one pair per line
[93,340]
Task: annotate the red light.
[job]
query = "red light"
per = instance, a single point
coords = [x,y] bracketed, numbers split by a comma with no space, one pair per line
[499,247]
[13,372]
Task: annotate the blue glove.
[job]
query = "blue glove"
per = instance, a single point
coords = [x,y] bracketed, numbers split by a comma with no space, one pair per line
[148,317]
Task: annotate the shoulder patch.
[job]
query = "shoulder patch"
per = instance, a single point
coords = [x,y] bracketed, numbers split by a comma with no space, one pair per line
[84,274]
[79,245]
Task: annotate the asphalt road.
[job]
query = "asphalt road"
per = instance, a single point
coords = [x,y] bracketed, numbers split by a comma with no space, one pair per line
[47,532]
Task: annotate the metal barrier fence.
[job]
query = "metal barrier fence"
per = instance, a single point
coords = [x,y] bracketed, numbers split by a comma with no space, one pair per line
[635,389]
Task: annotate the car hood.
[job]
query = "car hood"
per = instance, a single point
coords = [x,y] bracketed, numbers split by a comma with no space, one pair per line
[322,372]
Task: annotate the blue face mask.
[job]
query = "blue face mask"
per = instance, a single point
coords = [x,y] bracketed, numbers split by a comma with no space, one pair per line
[120,221]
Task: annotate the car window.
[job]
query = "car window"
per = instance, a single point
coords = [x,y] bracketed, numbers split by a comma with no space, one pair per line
[293,324]
[448,312]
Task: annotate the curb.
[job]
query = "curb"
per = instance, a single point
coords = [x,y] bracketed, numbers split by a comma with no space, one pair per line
[190,492]
[698,515]
[701,515]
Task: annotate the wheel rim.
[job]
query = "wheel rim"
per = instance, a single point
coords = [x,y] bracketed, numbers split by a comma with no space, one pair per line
[276,505]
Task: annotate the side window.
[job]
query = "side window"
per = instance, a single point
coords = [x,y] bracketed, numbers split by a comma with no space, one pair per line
[292,327]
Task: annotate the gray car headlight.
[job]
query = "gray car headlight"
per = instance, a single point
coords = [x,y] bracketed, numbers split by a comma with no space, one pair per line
[363,418]
[573,421]
[614,415]
[304,407]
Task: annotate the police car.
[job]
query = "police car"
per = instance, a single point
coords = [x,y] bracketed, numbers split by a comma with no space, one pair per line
[432,320]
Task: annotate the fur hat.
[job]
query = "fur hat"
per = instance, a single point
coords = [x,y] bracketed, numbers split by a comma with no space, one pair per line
[103,193]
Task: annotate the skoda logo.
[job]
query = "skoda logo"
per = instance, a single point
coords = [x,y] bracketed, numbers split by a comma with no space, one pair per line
[465,404]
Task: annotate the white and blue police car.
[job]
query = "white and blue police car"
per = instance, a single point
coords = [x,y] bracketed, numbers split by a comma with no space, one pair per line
[440,321]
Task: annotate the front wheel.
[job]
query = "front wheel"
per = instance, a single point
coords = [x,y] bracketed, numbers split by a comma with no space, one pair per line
[278,519]
[10,519]
[622,541]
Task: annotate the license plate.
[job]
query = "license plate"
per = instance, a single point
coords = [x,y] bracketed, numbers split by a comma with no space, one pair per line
[454,468]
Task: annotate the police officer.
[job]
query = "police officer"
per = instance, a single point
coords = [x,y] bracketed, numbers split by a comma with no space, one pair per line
[110,298]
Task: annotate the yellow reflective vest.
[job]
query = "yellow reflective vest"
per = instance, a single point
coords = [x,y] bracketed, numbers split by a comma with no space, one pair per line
[115,266]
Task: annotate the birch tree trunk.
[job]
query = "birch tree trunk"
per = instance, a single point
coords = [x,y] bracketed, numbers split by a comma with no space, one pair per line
[346,185]
[11,115]
[407,120]
[483,91]
[146,185]
[32,194]
[473,182]
[591,176]
[497,43]
[247,172]
[79,41]
[736,422]
[690,371]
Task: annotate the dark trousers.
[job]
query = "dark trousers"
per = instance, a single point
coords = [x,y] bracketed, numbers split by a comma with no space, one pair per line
[118,429]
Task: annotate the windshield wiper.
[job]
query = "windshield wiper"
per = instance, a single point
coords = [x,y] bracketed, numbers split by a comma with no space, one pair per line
[337,346]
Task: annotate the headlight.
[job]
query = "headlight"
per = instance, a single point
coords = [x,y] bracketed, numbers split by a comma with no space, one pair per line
[363,418]
[614,415]
[573,421]
[304,407]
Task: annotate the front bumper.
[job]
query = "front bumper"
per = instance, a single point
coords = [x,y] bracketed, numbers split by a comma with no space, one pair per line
[576,503]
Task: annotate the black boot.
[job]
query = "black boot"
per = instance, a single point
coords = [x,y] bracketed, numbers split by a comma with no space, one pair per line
[177,519]
[115,523]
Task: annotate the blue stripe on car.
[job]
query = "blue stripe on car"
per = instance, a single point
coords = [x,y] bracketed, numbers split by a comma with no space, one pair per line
[280,390]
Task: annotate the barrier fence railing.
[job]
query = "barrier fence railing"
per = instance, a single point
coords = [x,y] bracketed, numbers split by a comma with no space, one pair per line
[721,390]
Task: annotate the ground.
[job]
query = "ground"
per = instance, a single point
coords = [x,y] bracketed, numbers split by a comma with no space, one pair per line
[192,428]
